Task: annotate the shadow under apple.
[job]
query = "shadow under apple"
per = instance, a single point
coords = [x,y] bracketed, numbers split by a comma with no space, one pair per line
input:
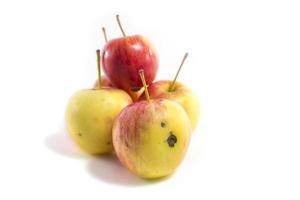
[61,143]
[107,168]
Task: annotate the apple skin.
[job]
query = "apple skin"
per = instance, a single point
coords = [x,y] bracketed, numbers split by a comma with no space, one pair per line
[90,115]
[142,137]
[105,82]
[181,94]
[124,57]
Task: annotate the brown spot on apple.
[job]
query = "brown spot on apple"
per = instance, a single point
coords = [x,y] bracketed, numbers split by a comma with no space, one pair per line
[172,139]
[163,124]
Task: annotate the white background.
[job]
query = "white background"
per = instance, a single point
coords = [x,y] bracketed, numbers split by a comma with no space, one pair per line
[244,65]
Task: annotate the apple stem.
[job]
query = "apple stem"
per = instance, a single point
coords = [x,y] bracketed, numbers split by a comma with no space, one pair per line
[172,86]
[144,84]
[99,68]
[120,25]
[104,33]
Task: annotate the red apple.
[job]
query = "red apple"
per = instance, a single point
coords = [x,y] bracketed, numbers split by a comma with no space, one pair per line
[124,57]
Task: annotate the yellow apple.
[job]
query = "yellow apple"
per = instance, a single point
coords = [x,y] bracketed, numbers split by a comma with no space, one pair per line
[90,115]
[151,137]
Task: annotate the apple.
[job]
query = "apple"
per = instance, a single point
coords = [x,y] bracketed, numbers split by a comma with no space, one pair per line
[178,92]
[151,137]
[90,115]
[124,57]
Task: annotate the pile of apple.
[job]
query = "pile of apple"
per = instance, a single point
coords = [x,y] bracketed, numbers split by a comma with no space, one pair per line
[147,124]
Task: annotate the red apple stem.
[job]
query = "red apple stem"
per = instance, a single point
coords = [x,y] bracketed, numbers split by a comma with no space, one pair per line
[104,33]
[99,68]
[120,25]
[172,86]
[144,84]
